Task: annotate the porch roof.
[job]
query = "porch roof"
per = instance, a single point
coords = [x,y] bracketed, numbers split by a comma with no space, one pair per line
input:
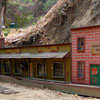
[36,55]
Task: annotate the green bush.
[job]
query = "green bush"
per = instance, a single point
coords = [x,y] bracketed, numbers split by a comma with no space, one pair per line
[23,20]
[5,33]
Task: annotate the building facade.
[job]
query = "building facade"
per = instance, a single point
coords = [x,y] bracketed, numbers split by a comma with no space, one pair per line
[51,62]
[86,55]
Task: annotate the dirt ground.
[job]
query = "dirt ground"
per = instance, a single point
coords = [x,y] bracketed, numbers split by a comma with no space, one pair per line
[37,94]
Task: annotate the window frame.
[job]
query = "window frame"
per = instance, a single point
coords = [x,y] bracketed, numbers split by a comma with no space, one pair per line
[80,46]
[53,70]
[83,70]
[44,69]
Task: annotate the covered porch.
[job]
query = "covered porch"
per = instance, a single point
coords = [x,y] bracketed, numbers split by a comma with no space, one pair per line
[48,65]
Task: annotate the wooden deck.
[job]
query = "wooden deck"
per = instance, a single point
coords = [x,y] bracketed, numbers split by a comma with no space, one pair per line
[85,90]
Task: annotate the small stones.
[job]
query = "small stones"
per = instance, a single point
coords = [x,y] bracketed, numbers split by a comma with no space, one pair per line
[4,90]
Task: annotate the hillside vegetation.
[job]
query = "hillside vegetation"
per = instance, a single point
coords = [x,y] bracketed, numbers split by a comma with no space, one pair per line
[55,26]
[26,12]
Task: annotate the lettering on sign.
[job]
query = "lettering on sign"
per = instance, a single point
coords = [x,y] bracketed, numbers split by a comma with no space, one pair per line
[48,49]
[95,49]
[94,71]
[13,51]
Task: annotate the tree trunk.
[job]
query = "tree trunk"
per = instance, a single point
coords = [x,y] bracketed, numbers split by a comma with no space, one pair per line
[2,20]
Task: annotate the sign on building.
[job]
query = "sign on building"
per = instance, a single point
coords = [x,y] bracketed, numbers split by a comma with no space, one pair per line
[95,49]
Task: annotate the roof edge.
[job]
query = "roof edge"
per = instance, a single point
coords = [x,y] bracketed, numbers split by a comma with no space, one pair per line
[84,27]
[35,46]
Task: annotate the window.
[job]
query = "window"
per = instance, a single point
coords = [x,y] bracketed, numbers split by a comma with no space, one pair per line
[80,69]
[58,70]
[18,68]
[7,67]
[21,67]
[81,44]
[40,69]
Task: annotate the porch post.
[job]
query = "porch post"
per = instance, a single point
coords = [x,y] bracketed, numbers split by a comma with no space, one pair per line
[31,68]
[64,71]
[44,70]
[11,67]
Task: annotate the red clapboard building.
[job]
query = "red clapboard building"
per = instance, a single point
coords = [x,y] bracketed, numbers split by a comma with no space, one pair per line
[86,55]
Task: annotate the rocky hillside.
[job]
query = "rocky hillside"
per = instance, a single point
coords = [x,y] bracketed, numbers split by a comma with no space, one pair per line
[55,26]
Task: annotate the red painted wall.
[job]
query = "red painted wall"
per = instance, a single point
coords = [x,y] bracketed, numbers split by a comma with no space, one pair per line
[2,42]
[92,35]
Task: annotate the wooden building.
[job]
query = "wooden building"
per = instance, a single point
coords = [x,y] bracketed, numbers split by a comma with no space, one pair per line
[51,62]
[86,55]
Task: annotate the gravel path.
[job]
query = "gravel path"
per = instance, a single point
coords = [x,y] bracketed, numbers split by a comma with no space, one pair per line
[37,94]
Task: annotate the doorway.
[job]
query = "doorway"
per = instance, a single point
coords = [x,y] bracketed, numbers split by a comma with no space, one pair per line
[95,75]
